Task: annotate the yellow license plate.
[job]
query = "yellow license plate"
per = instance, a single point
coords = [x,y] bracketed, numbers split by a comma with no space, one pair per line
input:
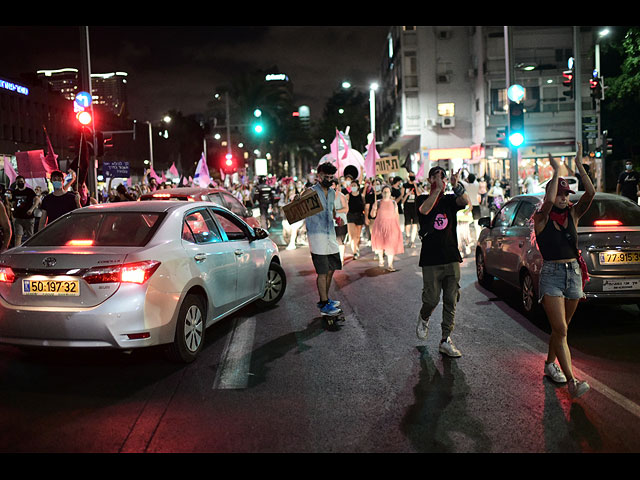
[62,288]
[619,258]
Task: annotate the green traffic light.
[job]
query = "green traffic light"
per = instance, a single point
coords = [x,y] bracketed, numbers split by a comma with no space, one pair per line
[258,128]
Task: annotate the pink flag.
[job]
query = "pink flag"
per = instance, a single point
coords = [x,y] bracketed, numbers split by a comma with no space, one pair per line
[335,148]
[9,171]
[221,175]
[184,181]
[154,175]
[164,178]
[370,159]
[30,164]
[50,161]
[173,170]
[420,173]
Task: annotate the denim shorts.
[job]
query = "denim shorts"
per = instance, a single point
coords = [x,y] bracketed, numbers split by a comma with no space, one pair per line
[561,280]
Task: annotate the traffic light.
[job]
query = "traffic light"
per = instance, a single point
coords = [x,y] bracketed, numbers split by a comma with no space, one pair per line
[595,83]
[568,83]
[257,126]
[84,118]
[230,165]
[516,124]
[102,143]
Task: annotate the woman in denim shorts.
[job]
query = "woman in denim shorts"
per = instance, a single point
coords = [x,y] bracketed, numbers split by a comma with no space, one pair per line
[561,277]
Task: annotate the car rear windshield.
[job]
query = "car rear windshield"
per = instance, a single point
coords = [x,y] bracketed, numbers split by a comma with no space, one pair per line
[623,211]
[117,229]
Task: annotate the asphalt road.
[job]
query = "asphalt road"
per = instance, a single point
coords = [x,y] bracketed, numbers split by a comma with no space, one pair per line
[277,381]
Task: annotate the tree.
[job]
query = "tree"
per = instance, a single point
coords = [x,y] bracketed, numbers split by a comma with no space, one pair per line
[346,108]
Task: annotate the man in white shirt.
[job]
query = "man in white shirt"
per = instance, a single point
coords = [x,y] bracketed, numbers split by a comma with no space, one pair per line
[323,245]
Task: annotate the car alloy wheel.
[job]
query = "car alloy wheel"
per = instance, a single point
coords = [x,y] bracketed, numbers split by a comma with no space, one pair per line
[193,329]
[190,330]
[275,285]
[481,272]
[528,293]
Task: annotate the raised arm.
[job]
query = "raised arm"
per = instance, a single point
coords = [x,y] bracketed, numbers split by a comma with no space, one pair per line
[584,203]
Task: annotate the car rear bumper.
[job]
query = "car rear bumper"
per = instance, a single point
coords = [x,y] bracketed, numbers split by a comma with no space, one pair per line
[596,289]
[133,317]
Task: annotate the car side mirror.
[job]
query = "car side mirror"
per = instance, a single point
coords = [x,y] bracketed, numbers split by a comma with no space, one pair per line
[485,222]
[260,233]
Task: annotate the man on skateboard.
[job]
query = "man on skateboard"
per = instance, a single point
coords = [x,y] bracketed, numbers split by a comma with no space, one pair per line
[323,245]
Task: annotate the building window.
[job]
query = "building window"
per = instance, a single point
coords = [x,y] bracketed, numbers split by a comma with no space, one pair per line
[446,109]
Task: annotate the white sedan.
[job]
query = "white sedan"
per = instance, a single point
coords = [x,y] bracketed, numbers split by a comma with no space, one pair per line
[135,274]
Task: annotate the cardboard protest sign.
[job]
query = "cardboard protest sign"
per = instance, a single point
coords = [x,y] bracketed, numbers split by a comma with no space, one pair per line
[308,204]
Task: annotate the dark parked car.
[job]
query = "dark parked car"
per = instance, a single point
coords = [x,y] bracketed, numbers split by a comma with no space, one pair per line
[219,196]
[608,237]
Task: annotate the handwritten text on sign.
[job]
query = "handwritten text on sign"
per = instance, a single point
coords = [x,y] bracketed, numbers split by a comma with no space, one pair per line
[387,165]
[308,204]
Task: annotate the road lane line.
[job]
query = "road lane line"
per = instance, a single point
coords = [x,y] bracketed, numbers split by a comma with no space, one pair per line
[612,395]
[233,372]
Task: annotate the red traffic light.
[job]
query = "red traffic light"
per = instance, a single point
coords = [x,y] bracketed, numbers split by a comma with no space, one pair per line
[568,78]
[84,118]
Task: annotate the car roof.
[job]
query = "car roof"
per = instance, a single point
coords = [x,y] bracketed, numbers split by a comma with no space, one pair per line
[540,195]
[186,191]
[136,206]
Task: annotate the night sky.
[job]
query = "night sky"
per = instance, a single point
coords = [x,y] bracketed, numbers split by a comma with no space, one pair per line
[179,67]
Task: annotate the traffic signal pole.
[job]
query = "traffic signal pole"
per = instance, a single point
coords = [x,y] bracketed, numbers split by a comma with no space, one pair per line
[513,152]
[577,85]
[85,81]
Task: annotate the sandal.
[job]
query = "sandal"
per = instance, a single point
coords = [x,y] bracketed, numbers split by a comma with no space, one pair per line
[391,269]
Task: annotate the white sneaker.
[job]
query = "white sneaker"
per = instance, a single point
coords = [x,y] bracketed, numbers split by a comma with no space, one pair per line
[423,327]
[552,370]
[578,388]
[449,349]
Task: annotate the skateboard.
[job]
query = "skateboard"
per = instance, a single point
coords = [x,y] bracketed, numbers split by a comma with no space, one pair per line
[330,322]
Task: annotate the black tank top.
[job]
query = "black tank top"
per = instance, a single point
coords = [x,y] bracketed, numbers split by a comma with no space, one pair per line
[557,244]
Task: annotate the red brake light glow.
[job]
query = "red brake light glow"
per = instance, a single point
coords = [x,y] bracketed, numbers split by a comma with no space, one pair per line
[607,223]
[138,272]
[7,275]
[161,195]
[80,243]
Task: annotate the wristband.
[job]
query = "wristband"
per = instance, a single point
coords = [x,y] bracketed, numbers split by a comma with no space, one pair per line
[458,190]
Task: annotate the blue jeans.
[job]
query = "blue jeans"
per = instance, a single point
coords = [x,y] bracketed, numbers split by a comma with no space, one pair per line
[561,280]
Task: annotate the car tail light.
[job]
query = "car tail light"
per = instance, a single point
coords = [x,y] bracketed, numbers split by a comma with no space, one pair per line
[138,272]
[161,195]
[79,243]
[7,275]
[607,223]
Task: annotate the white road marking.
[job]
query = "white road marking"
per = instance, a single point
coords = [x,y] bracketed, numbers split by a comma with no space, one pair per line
[233,372]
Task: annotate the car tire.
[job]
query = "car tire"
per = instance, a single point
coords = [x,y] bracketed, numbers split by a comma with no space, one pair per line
[190,330]
[274,287]
[528,300]
[484,278]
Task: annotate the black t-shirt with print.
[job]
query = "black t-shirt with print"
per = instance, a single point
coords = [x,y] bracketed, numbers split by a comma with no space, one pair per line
[440,244]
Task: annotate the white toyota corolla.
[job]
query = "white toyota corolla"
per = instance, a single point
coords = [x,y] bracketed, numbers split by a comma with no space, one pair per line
[135,274]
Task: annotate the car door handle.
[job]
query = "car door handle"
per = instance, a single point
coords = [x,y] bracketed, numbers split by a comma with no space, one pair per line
[238,252]
[200,257]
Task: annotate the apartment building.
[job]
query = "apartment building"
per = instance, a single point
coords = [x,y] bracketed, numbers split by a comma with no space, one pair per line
[443,97]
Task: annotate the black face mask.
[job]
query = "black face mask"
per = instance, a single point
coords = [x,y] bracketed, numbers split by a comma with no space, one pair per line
[325,183]
[20,184]
[412,178]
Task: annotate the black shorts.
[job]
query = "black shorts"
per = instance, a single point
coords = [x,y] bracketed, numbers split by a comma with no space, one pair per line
[326,263]
[341,232]
[475,211]
[410,213]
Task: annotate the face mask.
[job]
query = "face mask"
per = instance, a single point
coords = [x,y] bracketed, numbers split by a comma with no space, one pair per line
[629,167]
[347,183]
[325,183]
[20,184]
[412,178]
[377,188]
[354,190]
[57,185]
